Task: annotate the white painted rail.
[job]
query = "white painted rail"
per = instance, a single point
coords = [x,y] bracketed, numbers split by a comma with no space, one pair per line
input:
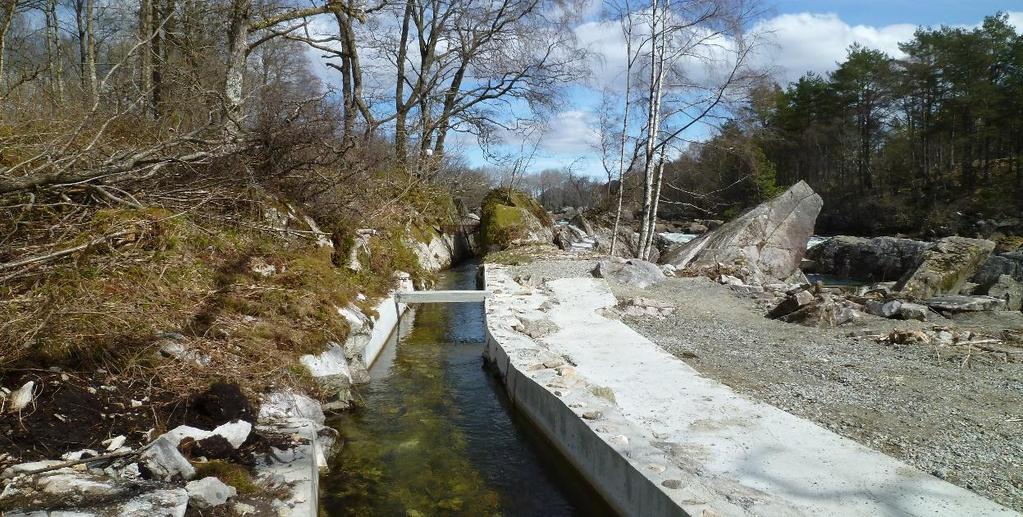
[440,296]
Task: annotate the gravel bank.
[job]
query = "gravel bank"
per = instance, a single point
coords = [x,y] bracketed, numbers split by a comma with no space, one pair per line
[961,424]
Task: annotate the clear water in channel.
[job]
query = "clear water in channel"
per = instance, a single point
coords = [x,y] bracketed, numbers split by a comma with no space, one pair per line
[436,435]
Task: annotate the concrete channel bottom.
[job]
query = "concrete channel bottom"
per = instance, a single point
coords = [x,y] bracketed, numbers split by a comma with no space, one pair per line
[658,439]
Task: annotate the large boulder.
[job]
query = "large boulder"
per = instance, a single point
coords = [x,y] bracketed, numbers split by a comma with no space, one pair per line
[770,239]
[945,267]
[512,218]
[873,260]
[1001,264]
[1005,288]
[633,272]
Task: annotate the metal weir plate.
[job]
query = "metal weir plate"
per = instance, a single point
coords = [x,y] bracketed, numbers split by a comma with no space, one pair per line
[462,296]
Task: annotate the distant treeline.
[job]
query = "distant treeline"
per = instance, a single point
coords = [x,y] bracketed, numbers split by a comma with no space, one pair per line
[926,143]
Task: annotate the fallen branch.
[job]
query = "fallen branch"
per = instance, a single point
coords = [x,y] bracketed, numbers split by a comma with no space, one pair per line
[101,457]
[65,252]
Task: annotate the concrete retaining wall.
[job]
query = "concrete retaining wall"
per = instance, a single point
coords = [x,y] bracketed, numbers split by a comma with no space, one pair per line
[626,489]
[656,438]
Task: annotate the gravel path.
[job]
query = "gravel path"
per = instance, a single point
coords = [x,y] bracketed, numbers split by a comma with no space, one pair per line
[964,425]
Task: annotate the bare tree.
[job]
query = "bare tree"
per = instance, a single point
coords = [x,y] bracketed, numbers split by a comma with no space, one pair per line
[54,59]
[84,22]
[8,8]
[696,54]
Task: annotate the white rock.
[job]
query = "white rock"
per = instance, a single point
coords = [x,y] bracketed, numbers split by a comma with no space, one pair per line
[330,363]
[23,468]
[114,443]
[209,492]
[165,462]
[185,431]
[77,485]
[131,472]
[234,432]
[162,503]
[287,405]
[22,397]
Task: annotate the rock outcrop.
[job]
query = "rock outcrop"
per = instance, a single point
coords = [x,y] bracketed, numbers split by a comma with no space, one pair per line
[512,218]
[873,260]
[945,267]
[1001,264]
[770,239]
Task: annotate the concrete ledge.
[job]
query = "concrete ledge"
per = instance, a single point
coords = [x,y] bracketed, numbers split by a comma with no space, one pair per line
[389,312]
[656,438]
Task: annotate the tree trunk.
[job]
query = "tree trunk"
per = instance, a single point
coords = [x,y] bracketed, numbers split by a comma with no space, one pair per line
[657,57]
[92,82]
[234,76]
[146,52]
[53,55]
[6,19]
[400,107]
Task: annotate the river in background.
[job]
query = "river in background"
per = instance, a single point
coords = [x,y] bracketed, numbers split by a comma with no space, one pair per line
[436,434]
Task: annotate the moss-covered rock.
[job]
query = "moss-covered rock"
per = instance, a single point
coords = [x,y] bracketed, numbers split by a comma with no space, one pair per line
[946,266]
[513,218]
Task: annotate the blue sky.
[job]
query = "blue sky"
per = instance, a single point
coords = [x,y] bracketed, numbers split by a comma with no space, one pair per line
[807,35]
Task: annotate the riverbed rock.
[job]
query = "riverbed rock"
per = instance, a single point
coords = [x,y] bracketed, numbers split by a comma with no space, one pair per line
[209,492]
[770,239]
[872,260]
[792,303]
[884,309]
[513,218]
[955,303]
[1001,264]
[434,252]
[583,223]
[571,238]
[632,272]
[1006,288]
[946,266]
[913,311]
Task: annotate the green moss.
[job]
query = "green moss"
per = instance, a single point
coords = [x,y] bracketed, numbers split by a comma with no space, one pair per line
[230,473]
[504,217]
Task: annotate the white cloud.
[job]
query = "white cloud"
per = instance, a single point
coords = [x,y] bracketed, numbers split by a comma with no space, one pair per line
[812,42]
[571,132]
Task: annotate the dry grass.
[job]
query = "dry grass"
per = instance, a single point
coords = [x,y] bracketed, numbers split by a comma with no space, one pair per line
[190,274]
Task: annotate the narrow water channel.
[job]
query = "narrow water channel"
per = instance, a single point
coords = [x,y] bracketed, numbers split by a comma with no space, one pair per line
[436,434]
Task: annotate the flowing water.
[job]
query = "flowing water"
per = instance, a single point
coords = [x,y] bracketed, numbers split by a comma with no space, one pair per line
[436,434]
